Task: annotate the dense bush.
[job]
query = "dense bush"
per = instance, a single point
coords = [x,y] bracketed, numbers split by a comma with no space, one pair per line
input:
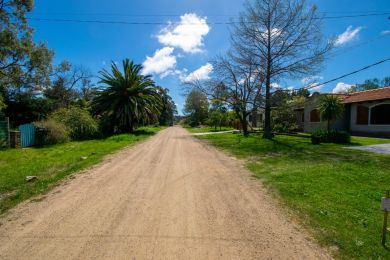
[79,122]
[331,136]
[284,119]
[50,132]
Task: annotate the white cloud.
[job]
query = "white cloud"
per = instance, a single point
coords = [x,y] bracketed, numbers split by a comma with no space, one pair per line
[162,62]
[275,32]
[342,88]
[187,34]
[203,73]
[275,86]
[311,80]
[348,35]
[386,32]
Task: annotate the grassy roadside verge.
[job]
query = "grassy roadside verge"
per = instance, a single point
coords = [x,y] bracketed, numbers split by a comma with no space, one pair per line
[333,191]
[207,129]
[52,163]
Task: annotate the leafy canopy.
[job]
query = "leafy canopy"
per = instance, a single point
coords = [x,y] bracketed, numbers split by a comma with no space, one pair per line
[331,108]
[22,62]
[127,98]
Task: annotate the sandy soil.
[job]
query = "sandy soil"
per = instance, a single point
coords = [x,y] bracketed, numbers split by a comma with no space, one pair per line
[171,197]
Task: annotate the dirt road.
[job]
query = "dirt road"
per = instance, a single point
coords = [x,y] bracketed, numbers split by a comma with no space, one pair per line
[171,197]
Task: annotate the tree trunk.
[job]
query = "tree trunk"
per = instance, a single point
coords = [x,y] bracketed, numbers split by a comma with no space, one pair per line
[267,121]
[244,124]
[328,126]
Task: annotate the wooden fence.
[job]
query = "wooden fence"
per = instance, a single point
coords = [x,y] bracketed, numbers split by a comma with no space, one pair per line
[4,133]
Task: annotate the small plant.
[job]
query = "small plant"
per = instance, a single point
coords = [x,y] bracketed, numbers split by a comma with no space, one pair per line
[331,108]
[331,136]
[50,132]
[79,123]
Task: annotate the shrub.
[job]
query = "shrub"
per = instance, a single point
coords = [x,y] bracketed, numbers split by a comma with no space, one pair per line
[315,139]
[50,132]
[331,136]
[79,122]
[284,120]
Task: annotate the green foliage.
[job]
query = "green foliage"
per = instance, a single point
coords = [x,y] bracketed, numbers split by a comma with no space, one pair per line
[283,119]
[331,108]
[50,132]
[53,163]
[127,98]
[332,190]
[217,118]
[370,84]
[3,105]
[196,107]
[79,123]
[168,110]
[283,116]
[70,85]
[22,62]
[331,136]
[26,108]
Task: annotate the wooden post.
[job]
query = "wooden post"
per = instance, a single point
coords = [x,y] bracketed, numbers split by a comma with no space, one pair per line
[9,133]
[384,230]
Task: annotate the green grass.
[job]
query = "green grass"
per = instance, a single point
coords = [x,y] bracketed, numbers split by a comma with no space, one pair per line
[333,191]
[52,163]
[207,129]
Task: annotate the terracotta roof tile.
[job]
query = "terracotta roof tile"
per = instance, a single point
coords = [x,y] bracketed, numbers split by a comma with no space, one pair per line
[369,95]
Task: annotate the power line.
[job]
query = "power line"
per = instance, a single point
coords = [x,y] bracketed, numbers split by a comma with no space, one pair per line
[345,75]
[164,23]
[377,12]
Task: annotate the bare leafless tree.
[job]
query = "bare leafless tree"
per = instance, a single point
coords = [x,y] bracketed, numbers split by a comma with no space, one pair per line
[281,39]
[69,83]
[238,85]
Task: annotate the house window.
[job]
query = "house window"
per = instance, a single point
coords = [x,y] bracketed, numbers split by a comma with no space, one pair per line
[362,115]
[315,115]
[380,115]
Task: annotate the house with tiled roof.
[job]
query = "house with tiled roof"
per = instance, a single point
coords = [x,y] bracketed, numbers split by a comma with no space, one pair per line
[366,113]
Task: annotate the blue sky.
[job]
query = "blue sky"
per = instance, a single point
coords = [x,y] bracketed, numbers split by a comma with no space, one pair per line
[173,51]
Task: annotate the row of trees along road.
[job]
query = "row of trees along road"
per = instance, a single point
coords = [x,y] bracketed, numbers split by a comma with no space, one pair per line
[272,40]
[33,89]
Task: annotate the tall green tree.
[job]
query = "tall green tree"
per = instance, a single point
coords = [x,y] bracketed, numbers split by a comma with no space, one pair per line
[168,110]
[331,108]
[370,84]
[127,97]
[23,63]
[196,107]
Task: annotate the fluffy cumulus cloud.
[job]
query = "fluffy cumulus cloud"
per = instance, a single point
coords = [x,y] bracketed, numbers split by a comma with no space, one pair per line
[187,35]
[342,88]
[162,62]
[203,73]
[348,35]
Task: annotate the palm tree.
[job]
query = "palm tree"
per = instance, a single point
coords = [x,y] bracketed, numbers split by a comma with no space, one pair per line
[127,98]
[331,108]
